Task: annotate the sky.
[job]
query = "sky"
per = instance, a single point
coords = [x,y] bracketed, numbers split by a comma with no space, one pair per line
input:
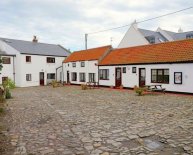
[65,22]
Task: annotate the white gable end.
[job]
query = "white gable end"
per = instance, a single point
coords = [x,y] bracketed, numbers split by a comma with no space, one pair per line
[132,38]
[7,49]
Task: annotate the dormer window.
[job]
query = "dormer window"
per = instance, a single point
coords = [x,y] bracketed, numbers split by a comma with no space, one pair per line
[151,39]
[189,36]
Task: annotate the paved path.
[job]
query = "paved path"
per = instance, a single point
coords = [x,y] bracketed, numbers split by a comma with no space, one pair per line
[70,121]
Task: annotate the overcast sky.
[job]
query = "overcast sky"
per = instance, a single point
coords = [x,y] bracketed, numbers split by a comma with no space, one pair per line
[66,21]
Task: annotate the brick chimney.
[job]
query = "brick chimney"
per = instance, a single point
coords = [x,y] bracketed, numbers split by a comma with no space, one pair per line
[35,40]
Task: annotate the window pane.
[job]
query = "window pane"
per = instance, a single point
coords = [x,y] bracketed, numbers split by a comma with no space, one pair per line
[91,77]
[51,76]
[74,76]
[160,72]
[50,60]
[160,75]
[154,71]
[166,71]
[6,60]
[104,74]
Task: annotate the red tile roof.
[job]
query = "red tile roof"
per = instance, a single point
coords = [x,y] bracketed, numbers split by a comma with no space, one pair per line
[86,55]
[176,51]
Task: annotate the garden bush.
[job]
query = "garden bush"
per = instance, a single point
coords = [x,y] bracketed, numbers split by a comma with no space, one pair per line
[8,94]
[139,90]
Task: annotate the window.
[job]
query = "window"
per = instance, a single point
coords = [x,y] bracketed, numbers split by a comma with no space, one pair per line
[82,77]
[74,64]
[28,77]
[124,69]
[189,36]
[50,60]
[104,74]
[134,69]
[82,64]
[91,77]
[51,76]
[151,39]
[160,75]
[28,58]
[74,76]
[5,78]
[6,60]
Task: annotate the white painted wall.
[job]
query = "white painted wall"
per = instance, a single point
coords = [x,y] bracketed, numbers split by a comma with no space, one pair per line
[130,79]
[90,67]
[38,64]
[7,70]
[133,38]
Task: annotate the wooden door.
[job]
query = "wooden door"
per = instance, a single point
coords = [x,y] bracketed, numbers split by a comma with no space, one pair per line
[42,78]
[142,76]
[68,77]
[118,78]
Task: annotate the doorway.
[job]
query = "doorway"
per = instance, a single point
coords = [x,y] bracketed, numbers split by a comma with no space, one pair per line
[142,76]
[41,78]
[118,78]
[68,77]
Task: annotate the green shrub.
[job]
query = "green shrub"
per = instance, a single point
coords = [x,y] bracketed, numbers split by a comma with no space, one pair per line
[2,99]
[8,84]
[54,83]
[83,86]
[139,91]
[7,94]
[1,110]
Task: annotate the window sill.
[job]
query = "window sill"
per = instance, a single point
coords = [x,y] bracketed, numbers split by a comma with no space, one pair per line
[160,82]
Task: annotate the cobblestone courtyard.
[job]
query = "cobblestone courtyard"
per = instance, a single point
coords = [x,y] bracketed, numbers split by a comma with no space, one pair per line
[70,121]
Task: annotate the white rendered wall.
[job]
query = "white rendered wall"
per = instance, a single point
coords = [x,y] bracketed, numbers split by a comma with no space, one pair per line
[132,38]
[38,64]
[90,67]
[7,70]
[130,79]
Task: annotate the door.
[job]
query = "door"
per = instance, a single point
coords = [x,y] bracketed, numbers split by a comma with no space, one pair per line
[42,78]
[142,75]
[118,78]
[68,77]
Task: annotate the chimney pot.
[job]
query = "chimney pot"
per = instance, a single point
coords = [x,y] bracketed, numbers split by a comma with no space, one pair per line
[35,40]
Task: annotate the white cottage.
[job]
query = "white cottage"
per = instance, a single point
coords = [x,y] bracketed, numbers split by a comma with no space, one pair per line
[31,63]
[169,64]
[137,36]
[82,66]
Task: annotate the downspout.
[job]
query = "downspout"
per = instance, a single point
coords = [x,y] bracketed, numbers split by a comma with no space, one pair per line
[56,71]
[62,73]
[13,70]
[98,75]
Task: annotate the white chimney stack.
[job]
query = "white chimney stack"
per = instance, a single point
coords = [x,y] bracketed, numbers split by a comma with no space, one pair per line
[180,30]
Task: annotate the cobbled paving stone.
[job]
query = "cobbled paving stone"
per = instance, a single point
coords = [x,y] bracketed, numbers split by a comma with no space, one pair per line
[70,121]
